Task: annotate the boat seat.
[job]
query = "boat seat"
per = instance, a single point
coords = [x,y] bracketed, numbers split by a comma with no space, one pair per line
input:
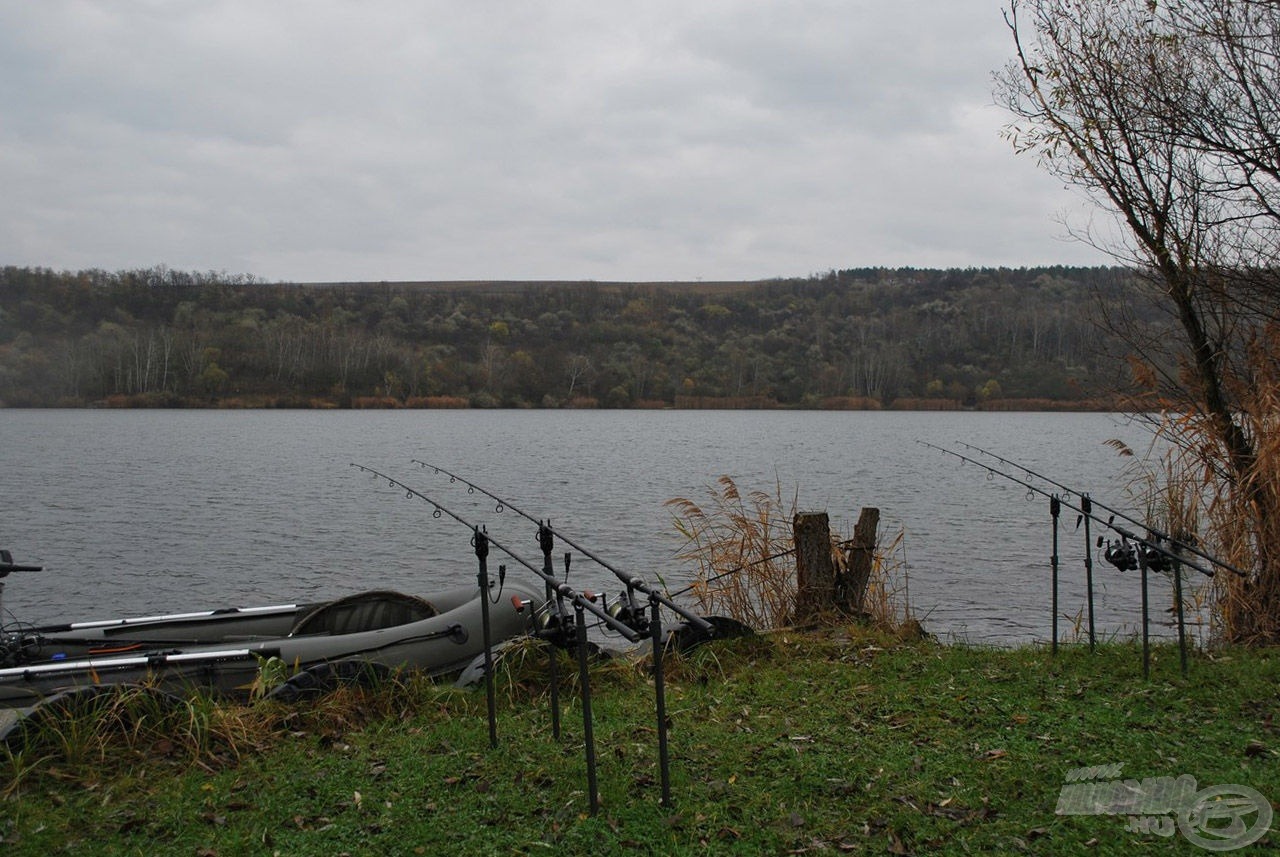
[364,611]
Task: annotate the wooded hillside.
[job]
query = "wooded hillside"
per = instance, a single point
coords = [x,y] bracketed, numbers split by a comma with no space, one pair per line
[855,338]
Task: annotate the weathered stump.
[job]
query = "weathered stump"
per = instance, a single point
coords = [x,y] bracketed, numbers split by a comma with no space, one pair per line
[821,586]
[815,572]
[859,560]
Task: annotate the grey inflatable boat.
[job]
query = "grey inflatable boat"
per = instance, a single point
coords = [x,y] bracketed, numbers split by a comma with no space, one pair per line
[226,651]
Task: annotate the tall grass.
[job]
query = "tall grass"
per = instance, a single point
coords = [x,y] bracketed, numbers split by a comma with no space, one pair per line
[114,727]
[111,729]
[744,548]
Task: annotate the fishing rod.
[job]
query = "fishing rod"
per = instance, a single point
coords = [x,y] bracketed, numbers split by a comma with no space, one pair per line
[625,609]
[546,542]
[1179,544]
[1143,554]
[582,604]
[563,590]
[631,581]
[1151,545]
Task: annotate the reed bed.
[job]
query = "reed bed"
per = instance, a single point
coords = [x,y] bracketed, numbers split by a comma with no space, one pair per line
[1228,502]
[744,548]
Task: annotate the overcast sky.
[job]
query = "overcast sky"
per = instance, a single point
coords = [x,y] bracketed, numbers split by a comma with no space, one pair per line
[539,139]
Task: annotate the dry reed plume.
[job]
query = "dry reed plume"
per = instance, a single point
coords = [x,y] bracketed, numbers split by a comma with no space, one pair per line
[743,547]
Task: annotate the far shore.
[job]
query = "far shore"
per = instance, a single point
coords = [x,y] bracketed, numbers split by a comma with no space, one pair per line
[1107,404]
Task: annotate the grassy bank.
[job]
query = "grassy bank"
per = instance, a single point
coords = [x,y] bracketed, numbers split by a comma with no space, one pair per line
[835,742]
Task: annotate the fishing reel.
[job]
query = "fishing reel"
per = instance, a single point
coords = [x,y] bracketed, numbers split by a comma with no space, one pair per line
[555,626]
[17,648]
[1156,559]
[628,612]
[1121,554]
[1127,556]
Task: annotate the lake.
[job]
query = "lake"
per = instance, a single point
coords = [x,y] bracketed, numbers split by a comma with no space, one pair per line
[146,511]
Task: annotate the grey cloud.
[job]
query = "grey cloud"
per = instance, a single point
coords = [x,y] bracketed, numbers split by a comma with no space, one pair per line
[399,140]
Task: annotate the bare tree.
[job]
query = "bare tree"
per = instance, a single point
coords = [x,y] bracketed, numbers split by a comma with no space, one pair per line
[577,369]
[1165,112]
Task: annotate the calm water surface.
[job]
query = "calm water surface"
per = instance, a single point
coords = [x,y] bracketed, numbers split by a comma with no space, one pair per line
[144,511]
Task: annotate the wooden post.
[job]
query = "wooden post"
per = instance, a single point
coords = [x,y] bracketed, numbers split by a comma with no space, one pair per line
[860,558]
[815,572]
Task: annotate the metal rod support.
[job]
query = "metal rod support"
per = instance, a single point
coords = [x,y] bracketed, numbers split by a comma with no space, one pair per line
[664,760]
[1146,630]
[1086,509]
[481,543]
[546,541]
[588,735]
[1055,509]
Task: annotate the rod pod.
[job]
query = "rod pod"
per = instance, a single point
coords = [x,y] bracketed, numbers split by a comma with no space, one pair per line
[1153,543]
[562,591]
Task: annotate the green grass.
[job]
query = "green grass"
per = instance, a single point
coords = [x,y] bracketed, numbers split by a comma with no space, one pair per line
[835,742]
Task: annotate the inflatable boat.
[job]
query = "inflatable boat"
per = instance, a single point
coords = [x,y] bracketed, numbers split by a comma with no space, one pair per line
[231,651]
